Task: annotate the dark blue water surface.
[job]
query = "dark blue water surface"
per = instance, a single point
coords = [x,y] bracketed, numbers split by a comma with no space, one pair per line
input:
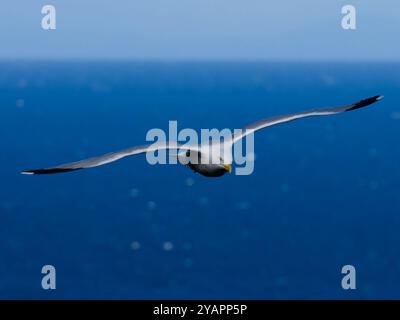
[325,191]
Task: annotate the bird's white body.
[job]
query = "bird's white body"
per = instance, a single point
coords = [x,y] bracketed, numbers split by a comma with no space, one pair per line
[210,160]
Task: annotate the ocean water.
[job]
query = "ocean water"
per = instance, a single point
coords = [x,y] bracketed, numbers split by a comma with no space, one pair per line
[325,191]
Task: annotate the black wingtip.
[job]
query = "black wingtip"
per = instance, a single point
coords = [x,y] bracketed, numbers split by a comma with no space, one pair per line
[365,102]
[46,171]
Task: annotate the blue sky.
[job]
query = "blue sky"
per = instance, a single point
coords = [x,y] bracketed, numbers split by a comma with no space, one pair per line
[200,30]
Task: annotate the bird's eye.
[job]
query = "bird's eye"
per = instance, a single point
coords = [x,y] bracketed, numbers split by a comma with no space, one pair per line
[188,153]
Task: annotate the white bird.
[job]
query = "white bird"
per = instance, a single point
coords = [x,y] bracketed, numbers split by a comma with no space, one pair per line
[199,157]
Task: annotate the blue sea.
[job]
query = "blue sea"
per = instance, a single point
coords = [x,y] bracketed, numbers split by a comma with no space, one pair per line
[325,191]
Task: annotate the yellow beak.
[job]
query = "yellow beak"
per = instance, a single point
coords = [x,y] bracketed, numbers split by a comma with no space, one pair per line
[228,167]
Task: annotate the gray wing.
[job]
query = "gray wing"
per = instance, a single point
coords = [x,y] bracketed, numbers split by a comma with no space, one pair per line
[261,124]
[109,157]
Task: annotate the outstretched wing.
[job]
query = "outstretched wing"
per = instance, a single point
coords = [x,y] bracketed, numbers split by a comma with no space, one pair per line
[261,124]
[109,157]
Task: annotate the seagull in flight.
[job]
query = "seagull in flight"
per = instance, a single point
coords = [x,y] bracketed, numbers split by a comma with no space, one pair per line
[202,154]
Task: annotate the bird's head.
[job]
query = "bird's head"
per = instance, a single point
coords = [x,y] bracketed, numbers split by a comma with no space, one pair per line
[225,164]
[228,167]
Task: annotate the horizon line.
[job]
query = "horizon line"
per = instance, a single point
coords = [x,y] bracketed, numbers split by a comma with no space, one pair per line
[194,60]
